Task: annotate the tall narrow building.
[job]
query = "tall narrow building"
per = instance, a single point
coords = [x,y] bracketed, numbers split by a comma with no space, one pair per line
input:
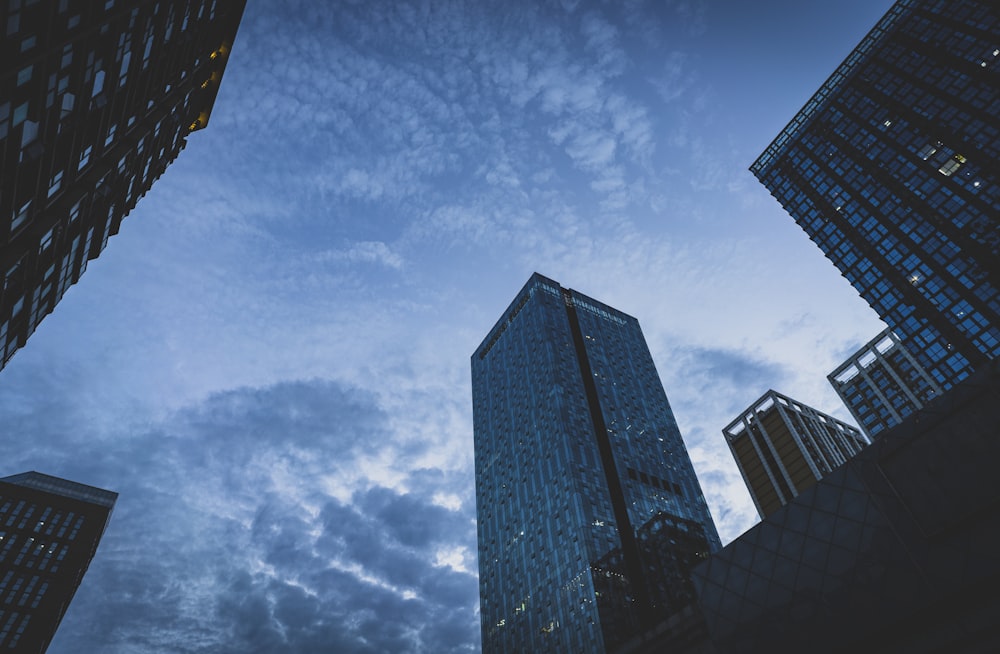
[882,383]
[49,531]
[783,447]
[589,512]
[96,100]
[893,169]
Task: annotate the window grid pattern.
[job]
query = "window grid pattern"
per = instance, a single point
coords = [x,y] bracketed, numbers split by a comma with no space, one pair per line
[892,552]
[95,102]
[883,383]
[783,447]
[555,533]
[891,170]
[46,543]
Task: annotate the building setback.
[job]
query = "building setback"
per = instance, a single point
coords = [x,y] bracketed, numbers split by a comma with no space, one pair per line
[49,531]
[783,447]
[589,512]
[882,383]
[96,100]
[893,169]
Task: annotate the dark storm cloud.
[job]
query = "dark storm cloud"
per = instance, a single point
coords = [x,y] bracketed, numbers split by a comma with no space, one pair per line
[241,528]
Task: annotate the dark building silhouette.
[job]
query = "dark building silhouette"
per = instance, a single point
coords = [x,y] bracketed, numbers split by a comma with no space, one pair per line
[893,169]
[782,447]
[49,531]
[895,551]
[589,512]
[882,383]
[96,100]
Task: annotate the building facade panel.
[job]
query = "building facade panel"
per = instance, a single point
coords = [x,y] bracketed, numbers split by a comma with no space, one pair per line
[783,447]
[582,479]
[96,100]
[892,552]
[882,383]
[49,532]
[891,169]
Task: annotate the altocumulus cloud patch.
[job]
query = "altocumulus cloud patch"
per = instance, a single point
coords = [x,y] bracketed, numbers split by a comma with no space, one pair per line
[243,525]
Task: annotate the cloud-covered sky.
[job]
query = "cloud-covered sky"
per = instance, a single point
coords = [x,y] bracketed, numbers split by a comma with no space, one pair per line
[270,363]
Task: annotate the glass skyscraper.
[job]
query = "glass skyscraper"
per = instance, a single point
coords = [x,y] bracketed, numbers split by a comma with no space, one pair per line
[893,169]
[882,383]
[96,100]
[49,531]
[589,512]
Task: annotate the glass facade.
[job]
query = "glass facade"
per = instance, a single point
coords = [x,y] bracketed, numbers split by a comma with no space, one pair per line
[49,531]
[892,169]
[895,551]
[782,447]
[589,511]
[96,100]
[882,383]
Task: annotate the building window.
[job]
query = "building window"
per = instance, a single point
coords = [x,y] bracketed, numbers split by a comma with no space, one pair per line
[55,183]
[85,157]
[20,113]
[46,241]
[20,216]
[24,75]
[98,83]
[949,167]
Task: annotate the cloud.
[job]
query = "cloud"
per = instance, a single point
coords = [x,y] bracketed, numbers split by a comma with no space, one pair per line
[364,252]
[676,77]
[270,362]
[224,539]
[729,373]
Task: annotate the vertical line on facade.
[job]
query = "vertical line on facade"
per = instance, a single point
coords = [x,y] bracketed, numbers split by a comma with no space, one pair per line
[630,548]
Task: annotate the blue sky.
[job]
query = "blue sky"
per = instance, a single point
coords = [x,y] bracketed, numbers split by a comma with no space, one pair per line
[270,363]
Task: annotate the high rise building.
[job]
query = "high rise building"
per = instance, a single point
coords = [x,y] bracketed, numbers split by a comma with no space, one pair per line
[49,531]
[589,512]
[894,551]
[882,383]
[893,169]
[783,447]
[96,100]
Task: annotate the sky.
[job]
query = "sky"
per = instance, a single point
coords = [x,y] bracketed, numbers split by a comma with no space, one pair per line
[270,363]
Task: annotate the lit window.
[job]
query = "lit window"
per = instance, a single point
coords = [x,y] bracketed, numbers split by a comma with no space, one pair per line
[949,167]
